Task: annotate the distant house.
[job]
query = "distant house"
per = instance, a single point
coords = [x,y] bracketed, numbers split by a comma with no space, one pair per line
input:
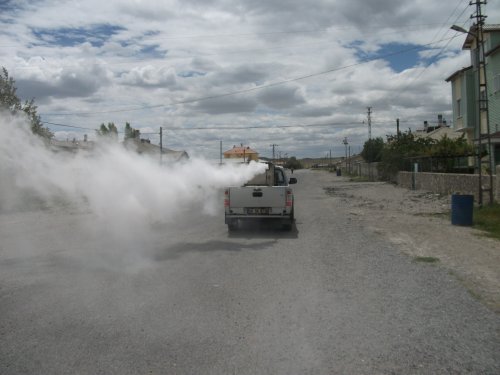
[71,146]
[438,131]
[144,146]
[245,153]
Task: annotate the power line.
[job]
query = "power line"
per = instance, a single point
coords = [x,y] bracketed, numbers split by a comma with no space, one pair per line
[66,126]
[84,128]
[261,87]
[223,127]
[440,51]
[140,40]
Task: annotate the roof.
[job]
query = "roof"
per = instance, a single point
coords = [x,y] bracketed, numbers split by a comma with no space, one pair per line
[145,147]
[440,133]
[452,77]
[240,150]
[495,137]
[74,145]
[469,40]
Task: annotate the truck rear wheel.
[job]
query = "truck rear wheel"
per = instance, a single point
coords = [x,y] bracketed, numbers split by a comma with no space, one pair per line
[288,224]
[232,225]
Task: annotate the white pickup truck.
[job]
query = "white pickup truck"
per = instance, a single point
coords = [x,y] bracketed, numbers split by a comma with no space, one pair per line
[266,196]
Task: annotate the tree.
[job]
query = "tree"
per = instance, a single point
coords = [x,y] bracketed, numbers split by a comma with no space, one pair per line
[109,131]
[399,149]
[372,150]
[446,153]
[10,101]
[400,152]
[293,163]
[130,132]
[447,147]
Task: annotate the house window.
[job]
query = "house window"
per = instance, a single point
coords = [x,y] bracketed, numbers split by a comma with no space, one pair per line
[459,108]
[496,83]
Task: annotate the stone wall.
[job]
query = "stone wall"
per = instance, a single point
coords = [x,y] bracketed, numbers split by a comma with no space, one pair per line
[449,183]
[497,195]
[442,183]
[368,170]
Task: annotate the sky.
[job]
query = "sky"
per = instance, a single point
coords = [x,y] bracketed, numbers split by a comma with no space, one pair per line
[299,75]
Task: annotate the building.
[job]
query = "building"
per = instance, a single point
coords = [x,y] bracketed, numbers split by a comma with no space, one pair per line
[465,90]
[145,147]
[437,130]
[245,153]
[73,146]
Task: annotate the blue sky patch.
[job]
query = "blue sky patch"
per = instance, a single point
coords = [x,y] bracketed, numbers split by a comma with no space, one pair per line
[152,51]
[96,35]
[400,56]
[190,73]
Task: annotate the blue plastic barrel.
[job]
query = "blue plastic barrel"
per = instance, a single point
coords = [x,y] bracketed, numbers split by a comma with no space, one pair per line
[339,172]
[461,209]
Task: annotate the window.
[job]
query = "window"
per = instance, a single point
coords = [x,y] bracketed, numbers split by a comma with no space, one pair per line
[279,178]
[459,108]
[496,83]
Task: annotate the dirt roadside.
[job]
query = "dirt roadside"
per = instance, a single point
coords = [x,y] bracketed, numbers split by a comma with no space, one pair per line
[419,223]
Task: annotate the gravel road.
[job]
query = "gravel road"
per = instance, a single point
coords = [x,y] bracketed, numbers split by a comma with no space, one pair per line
[419,223]
[339,294]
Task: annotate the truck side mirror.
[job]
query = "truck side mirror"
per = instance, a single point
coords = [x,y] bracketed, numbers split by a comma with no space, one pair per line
[292,180]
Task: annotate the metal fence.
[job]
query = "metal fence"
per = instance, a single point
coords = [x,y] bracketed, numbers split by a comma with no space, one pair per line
[441,164]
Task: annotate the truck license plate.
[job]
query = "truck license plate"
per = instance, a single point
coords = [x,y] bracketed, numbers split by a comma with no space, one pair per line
[258,211]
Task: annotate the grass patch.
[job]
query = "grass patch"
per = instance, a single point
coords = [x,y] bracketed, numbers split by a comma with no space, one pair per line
[426,259]
[358,179]
[487,218]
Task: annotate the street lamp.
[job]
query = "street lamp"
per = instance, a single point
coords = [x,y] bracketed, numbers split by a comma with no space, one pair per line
[461,29]
[345,144]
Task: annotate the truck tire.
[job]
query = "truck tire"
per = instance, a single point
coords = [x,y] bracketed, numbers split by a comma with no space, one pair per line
[232,226]
[288,224]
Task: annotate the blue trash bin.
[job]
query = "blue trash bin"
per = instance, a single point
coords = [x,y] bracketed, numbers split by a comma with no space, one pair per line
[339,172]
[462,207]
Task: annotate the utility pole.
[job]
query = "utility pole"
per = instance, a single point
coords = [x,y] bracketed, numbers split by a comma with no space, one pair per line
[349,159]
[161,145]
[369,122]
[220,152]
[273,146]
[483,132]
[345,144]
[397,128]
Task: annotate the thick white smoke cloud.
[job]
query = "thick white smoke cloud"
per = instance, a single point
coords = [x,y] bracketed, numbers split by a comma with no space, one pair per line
[125,192]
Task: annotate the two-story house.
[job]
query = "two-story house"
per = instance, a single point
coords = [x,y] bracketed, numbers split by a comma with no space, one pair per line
[465,90]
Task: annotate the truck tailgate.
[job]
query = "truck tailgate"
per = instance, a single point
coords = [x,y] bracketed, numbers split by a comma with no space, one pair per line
[258,196]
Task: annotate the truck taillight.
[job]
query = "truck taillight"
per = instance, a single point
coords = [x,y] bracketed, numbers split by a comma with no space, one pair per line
[289,198]
[226,198]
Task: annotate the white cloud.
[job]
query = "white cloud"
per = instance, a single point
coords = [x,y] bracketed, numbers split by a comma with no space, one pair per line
[149,76]
[134,60]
